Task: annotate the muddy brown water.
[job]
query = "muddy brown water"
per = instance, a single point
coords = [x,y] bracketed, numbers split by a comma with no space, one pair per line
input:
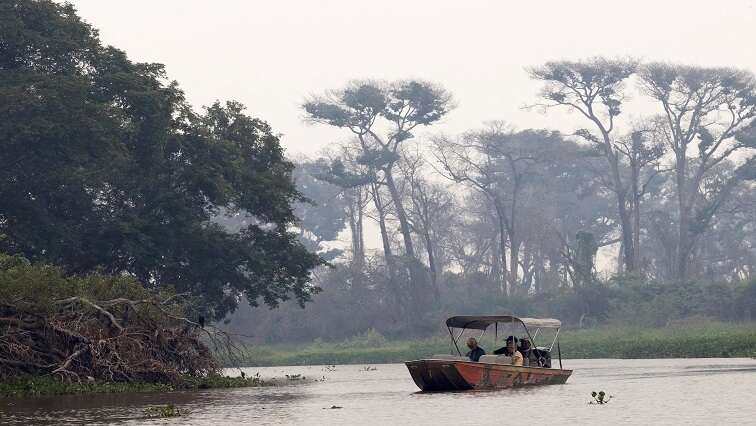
[670,392]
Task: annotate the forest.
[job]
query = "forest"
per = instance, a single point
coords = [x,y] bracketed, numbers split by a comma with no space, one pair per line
[627,220]
[109,175]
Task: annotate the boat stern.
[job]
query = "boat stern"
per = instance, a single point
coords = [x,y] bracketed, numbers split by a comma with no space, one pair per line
[433,375]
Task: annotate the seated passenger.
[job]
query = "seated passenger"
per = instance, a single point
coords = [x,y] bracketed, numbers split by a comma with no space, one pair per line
[475,351]
[511,350]
[525,348]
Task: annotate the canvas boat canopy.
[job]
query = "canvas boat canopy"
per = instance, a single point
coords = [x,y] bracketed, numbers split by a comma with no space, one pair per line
[477,322]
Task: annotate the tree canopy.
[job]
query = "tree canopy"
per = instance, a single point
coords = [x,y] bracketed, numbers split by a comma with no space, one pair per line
[105,166]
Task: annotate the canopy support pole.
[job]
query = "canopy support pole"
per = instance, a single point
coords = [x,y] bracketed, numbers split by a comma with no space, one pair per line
[454,340]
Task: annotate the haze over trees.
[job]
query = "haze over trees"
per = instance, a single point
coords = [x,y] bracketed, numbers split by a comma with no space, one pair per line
[104,166]
[514,219]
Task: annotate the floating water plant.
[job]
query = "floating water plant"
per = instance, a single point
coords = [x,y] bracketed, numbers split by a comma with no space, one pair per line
[600,397]
[162,411]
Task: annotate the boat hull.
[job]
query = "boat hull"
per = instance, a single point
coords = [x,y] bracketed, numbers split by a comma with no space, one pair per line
[436,375]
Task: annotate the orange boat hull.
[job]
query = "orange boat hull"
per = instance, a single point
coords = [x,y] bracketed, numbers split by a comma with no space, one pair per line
[446,375]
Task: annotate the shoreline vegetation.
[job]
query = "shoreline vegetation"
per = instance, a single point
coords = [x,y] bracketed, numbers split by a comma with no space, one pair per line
[40,386]
[689,339]
[96,333]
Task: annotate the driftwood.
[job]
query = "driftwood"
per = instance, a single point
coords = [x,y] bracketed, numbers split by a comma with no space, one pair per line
[119,340]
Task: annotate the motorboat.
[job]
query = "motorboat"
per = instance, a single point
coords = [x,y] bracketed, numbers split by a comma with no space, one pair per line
[458,372]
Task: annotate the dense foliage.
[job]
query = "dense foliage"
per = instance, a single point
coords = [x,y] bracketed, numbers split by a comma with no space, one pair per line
[104,166]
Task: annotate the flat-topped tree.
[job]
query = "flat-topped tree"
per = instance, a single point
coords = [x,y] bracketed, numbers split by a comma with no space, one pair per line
[594,88]
[382,116]
[707,115]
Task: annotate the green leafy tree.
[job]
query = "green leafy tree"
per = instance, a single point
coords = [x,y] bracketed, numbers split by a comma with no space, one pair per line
[105,166]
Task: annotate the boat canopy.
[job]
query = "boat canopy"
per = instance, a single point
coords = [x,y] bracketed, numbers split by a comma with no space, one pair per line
[482,322]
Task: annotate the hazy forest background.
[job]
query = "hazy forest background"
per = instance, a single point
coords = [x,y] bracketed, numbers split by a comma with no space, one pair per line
[106,168]
[639,222]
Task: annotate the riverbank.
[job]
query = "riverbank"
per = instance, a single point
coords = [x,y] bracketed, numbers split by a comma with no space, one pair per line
[22,387]
[689,340]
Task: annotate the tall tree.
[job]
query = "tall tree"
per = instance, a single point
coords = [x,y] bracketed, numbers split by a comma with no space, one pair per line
[642,150]
[595,89]
[709,115]
[500,164]
[363,108]
[105,166]
[430,205]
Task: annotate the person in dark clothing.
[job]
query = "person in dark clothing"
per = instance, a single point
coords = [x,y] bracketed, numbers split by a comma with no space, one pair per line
[503,350]
[511,350]
[475,351]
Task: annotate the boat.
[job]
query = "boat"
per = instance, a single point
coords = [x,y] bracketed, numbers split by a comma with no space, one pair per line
[458,373]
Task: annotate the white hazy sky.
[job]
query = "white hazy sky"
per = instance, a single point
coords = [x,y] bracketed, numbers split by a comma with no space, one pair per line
[272,54]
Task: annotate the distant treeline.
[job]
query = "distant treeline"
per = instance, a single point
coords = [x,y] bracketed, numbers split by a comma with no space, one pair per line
[498,219]
[694,339]
[105,166]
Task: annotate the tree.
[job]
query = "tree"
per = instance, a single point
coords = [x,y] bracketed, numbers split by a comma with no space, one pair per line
[643,151]
[430,205]
[708,113]
[106,167]
[594,88]
[502,165]
[324,213]
[402,107]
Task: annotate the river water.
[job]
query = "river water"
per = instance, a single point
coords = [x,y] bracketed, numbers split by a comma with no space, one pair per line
[670,391]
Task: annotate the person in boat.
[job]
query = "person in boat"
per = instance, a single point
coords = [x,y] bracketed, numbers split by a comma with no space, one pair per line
[511,350]
[475,351]
[528,354]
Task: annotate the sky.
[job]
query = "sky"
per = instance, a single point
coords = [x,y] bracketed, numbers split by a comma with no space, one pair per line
[271,55]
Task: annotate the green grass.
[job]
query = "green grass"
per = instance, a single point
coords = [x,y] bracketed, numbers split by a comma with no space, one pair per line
[48,386]
[692,340]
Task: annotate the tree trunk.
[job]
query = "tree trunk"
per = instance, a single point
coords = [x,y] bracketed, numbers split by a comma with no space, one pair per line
[360,228]
[415,270]
[636,209]
[683,246]
[401,215]
[625,216]
[514,258]
[390,263]
[627,230]
[432,266]
[502,248]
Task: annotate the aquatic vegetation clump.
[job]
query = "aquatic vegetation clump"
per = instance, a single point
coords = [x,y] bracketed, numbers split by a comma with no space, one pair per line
[163,411]
[600,398]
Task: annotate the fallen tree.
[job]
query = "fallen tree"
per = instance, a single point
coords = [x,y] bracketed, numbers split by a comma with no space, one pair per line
[99,328]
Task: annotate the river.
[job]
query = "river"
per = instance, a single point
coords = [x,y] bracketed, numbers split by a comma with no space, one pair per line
[668,392]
